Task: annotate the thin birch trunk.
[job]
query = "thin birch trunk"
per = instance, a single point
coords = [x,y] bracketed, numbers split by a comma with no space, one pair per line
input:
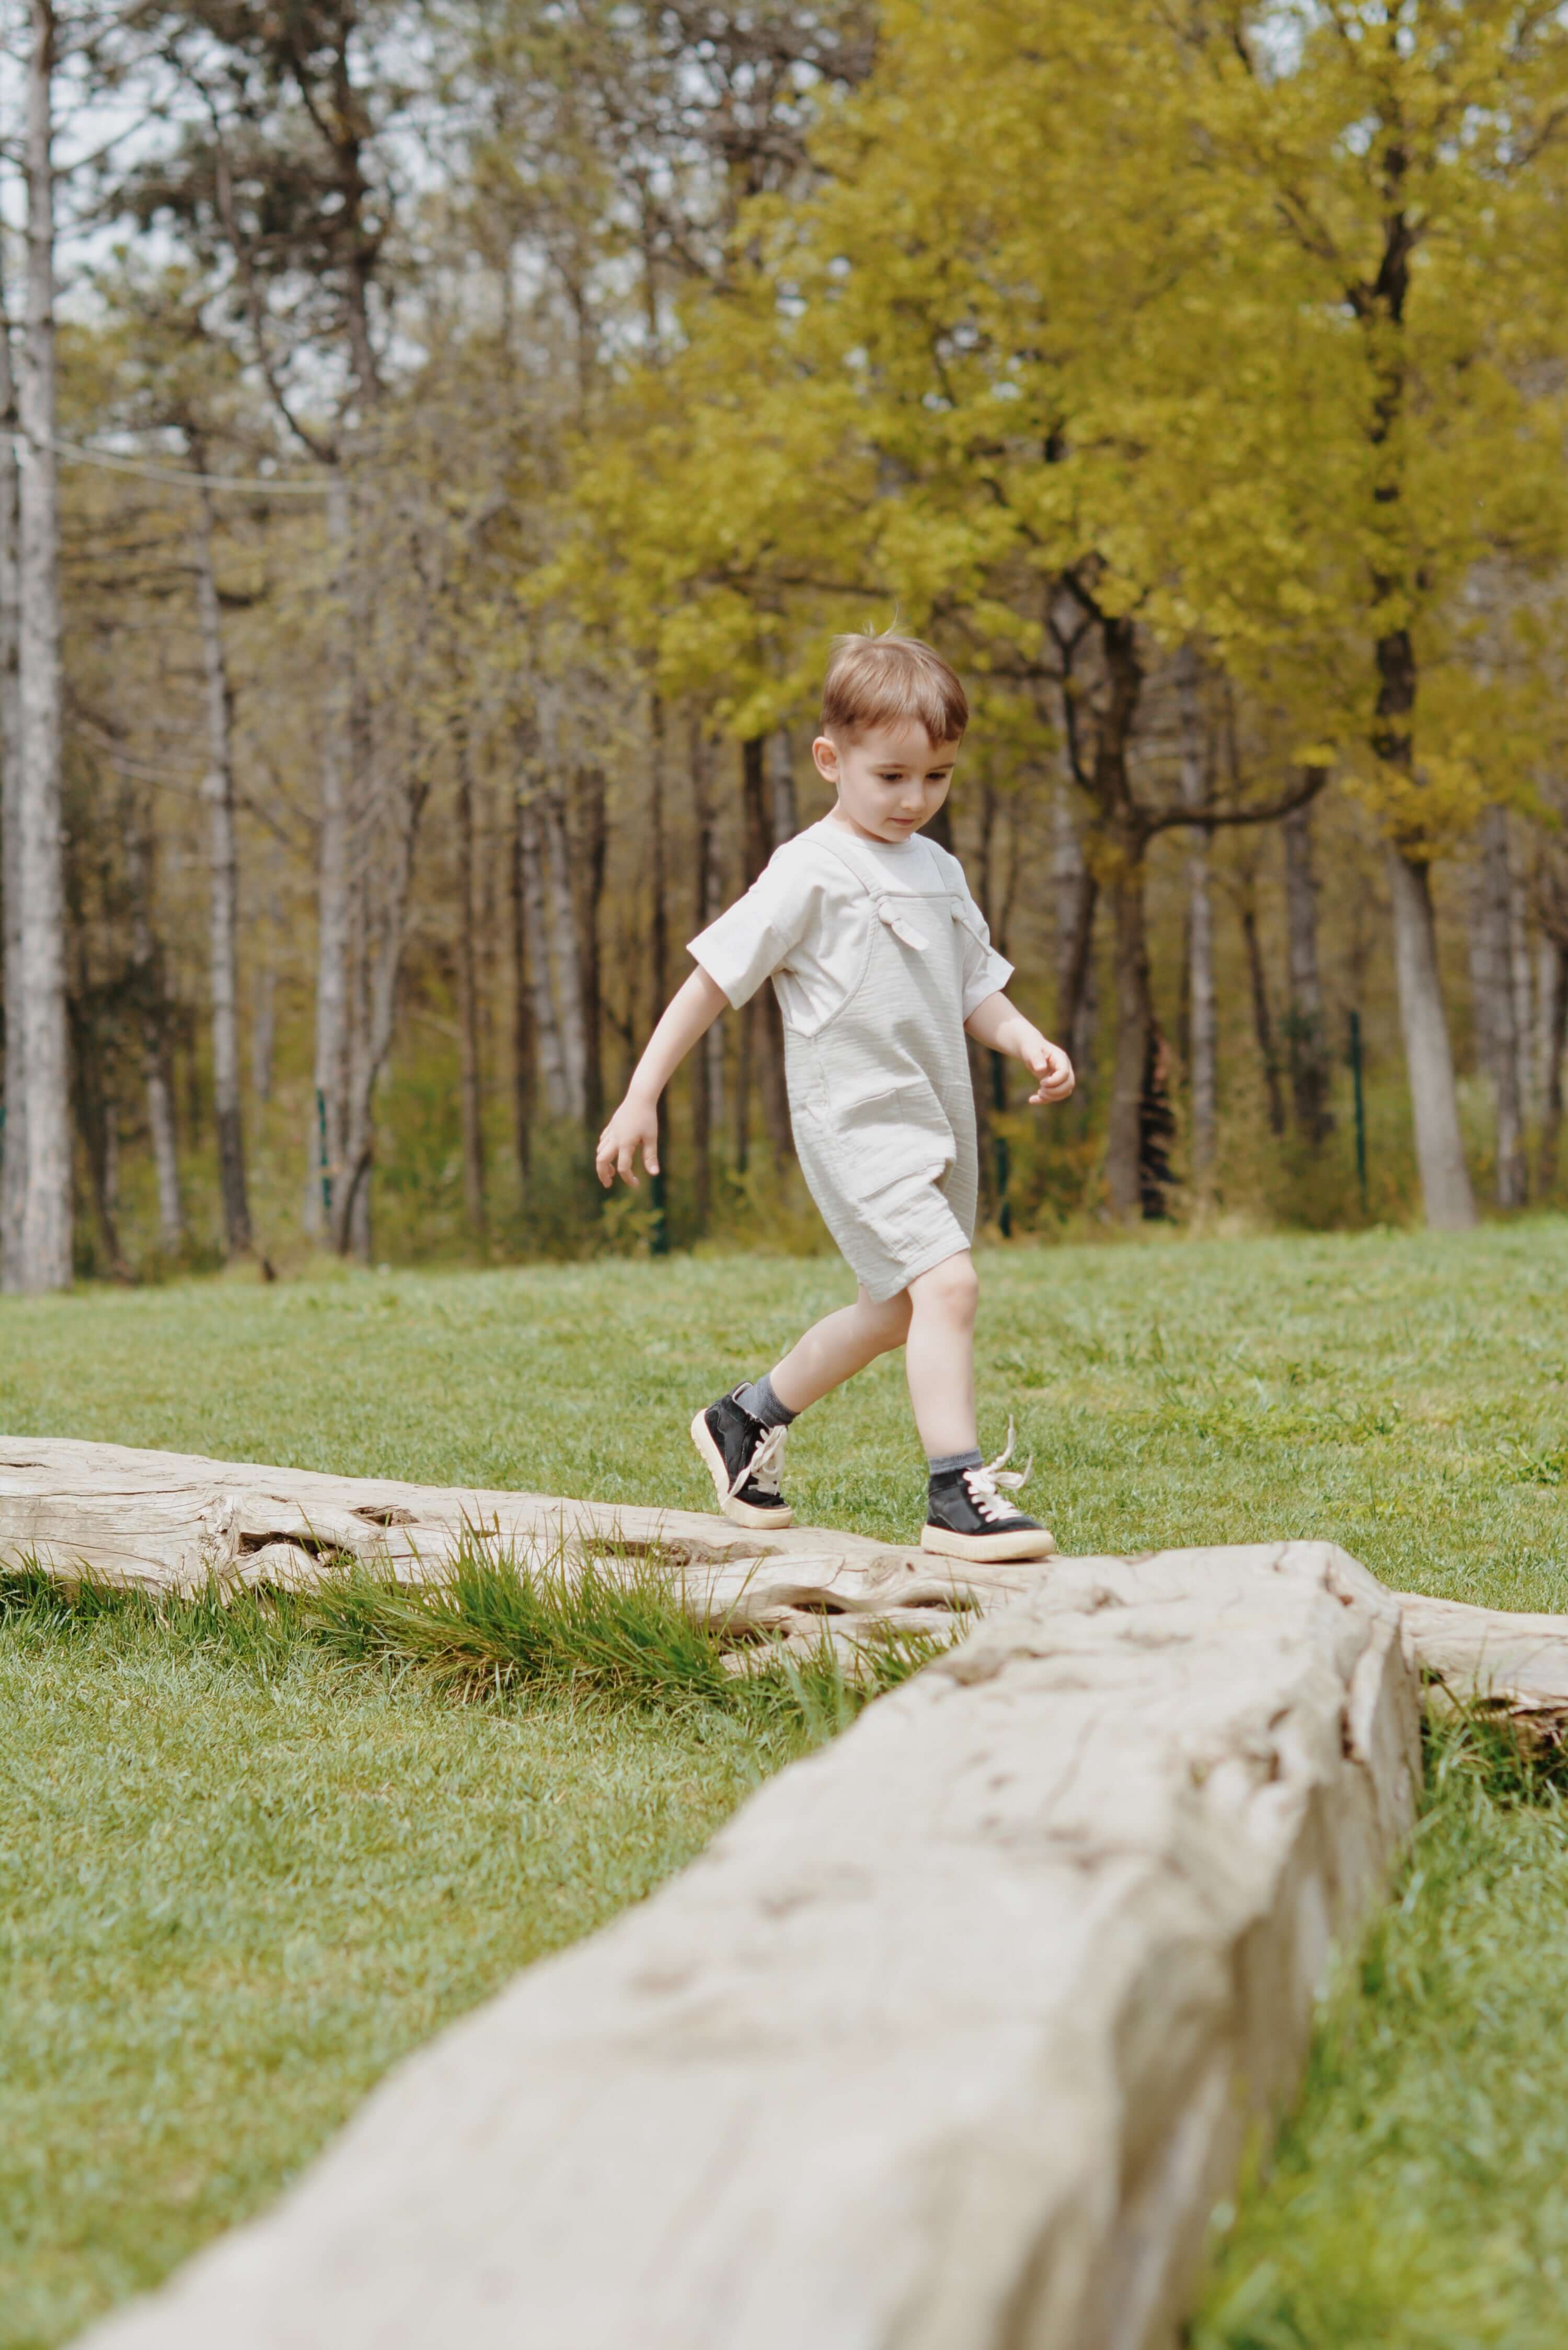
[224,885]
[152,1023]
[766,1027]
[1135,1022]
[1307,1028]
[658,928]
[1491,975]
[1262,1018]
[14,1164]
[701,1070]
[712,882]
[521,1010]
[327,1150]
[784,808]
[1553,1001]
[1076,894]
[46,1217]
[593,859]
[470,1087]
[567,972]
[376,977]
[546,1027]
[1204,1029]
[1428,1056]
[263,1034]
[1523,988]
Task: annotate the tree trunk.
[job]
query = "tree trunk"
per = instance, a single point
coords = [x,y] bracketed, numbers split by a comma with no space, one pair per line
[45,1249]
[263,1034]
[522,1008]
[593,863]
[470,1081]
[546,1026]
[784,809]
[1135,1022]
[563,933]
[224,885]
[1263,1019]
[1428,1058]
[766,1027]
[701,1077]
[1308,1033]
[327,1150]
[1203,1011]
[1554,996]
[657,940]
[1524,991]
[1077,894]
[1492,985]
[14,1135]
[152,1024]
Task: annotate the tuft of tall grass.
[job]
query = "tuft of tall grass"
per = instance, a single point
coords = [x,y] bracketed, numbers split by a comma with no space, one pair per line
[492,1627]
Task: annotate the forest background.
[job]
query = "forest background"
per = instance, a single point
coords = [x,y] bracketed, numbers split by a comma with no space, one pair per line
[443,438]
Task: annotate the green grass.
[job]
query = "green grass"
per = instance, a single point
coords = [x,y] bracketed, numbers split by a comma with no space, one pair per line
[230,1891]
[249,1854]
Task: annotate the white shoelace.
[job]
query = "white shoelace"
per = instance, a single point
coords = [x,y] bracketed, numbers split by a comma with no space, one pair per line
[981,1483]
[765,1465]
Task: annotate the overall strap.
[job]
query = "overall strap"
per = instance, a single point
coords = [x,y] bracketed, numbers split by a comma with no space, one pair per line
[875,888]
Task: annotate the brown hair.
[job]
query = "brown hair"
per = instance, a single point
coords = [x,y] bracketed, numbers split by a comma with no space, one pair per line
[888,682]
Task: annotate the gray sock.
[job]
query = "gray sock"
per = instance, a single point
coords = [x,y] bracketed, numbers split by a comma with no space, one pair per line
[947,1464]
[760,1401]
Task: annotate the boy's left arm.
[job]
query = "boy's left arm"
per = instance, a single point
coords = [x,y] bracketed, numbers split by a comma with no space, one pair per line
[1002,1026]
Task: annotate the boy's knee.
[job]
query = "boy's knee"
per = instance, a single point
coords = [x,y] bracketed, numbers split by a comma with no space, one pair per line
[890,1321]
[953,1286]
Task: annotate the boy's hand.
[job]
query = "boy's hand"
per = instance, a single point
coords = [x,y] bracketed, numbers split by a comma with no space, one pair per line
[1049,1066]
[635,1124]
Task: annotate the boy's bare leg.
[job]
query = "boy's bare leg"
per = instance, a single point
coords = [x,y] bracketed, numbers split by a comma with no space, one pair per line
[837,1346]
[939,1355]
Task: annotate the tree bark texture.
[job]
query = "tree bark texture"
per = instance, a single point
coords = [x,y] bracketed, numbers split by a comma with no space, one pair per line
[1203,1027]
[523,1037]
[471,1103]
[1492,985]
[593,863]
[783,808]
[1306,1029]
[563,935]
[14,1160]
[766,1028]
[223,890]
[152,1023]
[1135,1022]
[1553,1001]
[327,1150]
[1428,1056]
[535,927]
[701,1065]
[658,932]
[1262,1017]
[46,1216]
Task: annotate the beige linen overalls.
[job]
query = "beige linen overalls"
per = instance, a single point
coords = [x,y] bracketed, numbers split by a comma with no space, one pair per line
[881,1097]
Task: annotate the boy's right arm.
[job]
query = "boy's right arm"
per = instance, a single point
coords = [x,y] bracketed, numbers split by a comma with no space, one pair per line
[689,1014]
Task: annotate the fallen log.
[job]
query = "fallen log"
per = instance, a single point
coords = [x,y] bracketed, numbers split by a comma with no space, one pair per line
[178,1522]
[949,2041]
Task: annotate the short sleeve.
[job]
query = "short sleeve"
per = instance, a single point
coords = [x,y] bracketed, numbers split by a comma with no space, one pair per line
[986,972]
[758,932]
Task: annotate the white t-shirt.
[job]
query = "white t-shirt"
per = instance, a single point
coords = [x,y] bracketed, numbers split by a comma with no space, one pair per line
[794,925]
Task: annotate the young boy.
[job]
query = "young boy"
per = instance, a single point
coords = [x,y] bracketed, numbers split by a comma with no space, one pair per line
[880,960]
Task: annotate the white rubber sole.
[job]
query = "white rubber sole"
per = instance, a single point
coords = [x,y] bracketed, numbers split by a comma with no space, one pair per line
[988,1550]
[739,1513]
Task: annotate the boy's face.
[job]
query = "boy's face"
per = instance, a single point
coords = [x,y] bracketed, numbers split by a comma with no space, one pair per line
[890,780]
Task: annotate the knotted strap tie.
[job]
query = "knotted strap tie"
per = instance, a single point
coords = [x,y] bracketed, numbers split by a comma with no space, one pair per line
[901,931]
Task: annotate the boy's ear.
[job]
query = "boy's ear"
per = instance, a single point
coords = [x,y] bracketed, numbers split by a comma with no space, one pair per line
[824,754]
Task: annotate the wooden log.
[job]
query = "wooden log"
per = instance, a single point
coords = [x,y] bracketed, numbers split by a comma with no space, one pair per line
[173,1521]
[949,2041]
[176,1522]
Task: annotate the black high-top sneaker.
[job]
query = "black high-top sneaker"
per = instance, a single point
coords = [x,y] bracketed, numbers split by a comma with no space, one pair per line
[966,1516]
[744,1460]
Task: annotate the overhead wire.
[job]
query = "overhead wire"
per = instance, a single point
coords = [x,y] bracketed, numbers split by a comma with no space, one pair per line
[181,477]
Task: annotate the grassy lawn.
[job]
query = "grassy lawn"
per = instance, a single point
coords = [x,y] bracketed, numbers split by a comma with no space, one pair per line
[228,1901]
